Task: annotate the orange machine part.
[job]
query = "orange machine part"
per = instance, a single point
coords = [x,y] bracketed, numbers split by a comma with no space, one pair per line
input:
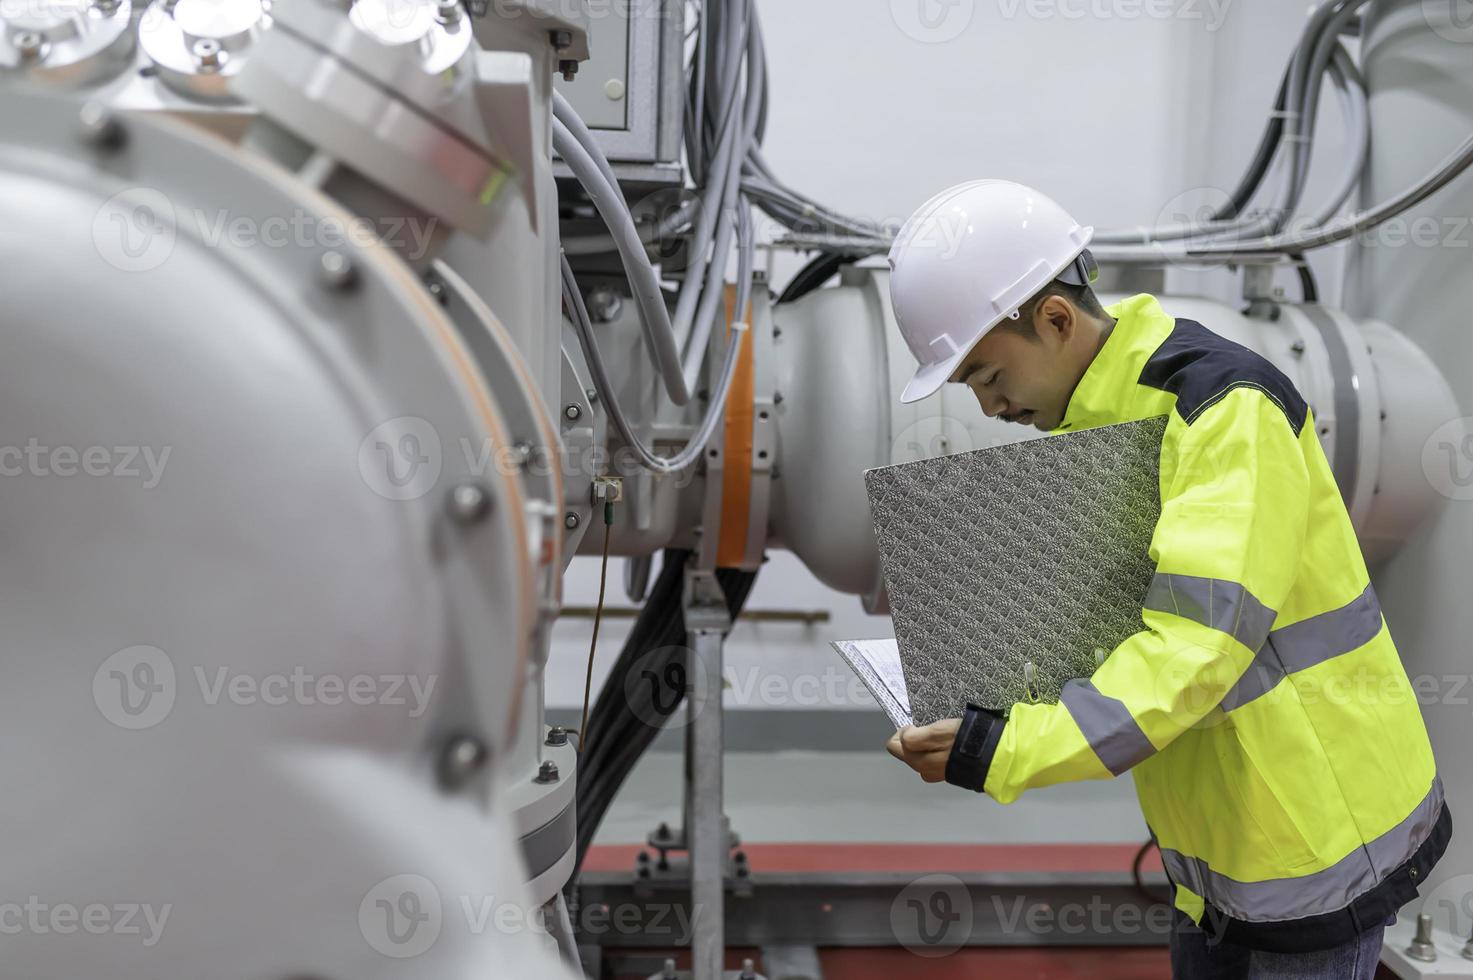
[736,482]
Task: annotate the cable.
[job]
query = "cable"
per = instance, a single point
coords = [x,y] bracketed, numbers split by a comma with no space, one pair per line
[654,316]
[1308,287]
[625,720]
[1351,88]
[1139,879]
[1354,224]
[813,275]
[598,611]
[1268,145]
[1292,123]
[716,203]
[578,312]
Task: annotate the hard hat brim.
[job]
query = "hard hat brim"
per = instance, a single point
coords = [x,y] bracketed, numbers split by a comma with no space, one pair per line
[929,378]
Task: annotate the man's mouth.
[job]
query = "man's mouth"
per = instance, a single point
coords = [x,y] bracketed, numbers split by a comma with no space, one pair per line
[1022,418]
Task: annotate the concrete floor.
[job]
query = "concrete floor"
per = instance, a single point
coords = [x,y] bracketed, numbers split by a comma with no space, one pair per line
[845,797]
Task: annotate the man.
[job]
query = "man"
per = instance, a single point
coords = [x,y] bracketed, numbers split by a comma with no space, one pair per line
[1278,752]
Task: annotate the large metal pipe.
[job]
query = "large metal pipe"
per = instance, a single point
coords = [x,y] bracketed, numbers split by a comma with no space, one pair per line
[1418,57]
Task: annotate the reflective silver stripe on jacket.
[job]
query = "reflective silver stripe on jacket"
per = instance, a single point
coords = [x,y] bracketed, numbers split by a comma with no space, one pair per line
[1306,644]
[1321,891]
[1215,603]
[1107,724]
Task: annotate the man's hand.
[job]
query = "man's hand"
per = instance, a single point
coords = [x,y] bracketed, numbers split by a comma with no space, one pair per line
[925,749]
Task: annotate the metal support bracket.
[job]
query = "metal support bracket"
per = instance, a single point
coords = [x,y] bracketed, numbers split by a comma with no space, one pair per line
[707,622]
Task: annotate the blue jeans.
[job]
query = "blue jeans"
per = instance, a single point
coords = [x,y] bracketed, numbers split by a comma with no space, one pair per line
[1193,957]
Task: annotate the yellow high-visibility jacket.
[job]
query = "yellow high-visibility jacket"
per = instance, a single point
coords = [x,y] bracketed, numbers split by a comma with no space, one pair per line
[1278,749]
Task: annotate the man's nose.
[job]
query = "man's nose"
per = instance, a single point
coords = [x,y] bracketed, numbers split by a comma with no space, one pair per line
[992,403]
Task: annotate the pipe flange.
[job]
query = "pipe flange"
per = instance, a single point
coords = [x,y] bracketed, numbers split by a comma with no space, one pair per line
[198,46]
[66,43]
[389,85]
[437,29]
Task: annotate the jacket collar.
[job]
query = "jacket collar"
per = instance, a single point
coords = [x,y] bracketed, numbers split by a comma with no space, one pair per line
[1109,391]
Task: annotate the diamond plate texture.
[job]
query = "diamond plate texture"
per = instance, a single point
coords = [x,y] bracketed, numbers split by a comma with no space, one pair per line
[1031,553]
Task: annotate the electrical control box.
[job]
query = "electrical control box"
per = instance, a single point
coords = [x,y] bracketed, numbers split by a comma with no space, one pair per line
[629,91]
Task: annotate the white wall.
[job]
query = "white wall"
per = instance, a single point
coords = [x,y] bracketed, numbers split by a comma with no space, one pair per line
[1113,109]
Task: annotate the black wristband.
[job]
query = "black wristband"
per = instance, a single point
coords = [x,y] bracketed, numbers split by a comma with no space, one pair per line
[975,745]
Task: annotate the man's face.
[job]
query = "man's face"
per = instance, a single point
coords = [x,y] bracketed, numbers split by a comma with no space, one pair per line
[1026,374]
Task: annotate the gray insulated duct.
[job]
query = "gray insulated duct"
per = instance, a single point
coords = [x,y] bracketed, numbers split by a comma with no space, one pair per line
[1418,57]
[842,364]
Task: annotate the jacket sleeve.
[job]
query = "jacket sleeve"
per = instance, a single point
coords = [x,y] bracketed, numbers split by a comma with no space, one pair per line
[1234,504]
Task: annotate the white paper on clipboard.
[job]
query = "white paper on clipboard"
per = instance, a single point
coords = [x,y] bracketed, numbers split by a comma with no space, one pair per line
[877,663]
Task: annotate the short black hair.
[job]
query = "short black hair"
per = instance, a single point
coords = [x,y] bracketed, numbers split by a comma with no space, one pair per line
[1081,296]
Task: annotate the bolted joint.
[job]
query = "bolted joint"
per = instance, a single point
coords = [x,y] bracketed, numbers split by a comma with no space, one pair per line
[1421,947]
[468,504]
[570,521]
[547,772]
[208,54]
[99,127]
[572,412]
[569,69]
[557,735]
[523,453]
[336,271]
[562,40]
[604,304]
[30,44]
[462,757]
[437,289]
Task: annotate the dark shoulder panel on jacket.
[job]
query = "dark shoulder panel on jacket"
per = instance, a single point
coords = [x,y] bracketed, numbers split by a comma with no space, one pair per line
[1200,368]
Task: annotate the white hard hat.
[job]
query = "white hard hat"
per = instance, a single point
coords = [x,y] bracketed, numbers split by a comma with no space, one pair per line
[967,260]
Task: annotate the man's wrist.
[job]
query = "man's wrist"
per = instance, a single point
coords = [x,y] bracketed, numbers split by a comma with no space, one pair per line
[975,745]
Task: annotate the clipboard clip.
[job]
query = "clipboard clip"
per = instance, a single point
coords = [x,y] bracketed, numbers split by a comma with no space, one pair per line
[1030,682]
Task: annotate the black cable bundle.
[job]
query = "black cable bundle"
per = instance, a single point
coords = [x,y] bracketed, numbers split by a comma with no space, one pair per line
[630,712]
[815,274]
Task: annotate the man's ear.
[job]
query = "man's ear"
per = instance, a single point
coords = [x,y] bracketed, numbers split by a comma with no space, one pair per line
[1055,320]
